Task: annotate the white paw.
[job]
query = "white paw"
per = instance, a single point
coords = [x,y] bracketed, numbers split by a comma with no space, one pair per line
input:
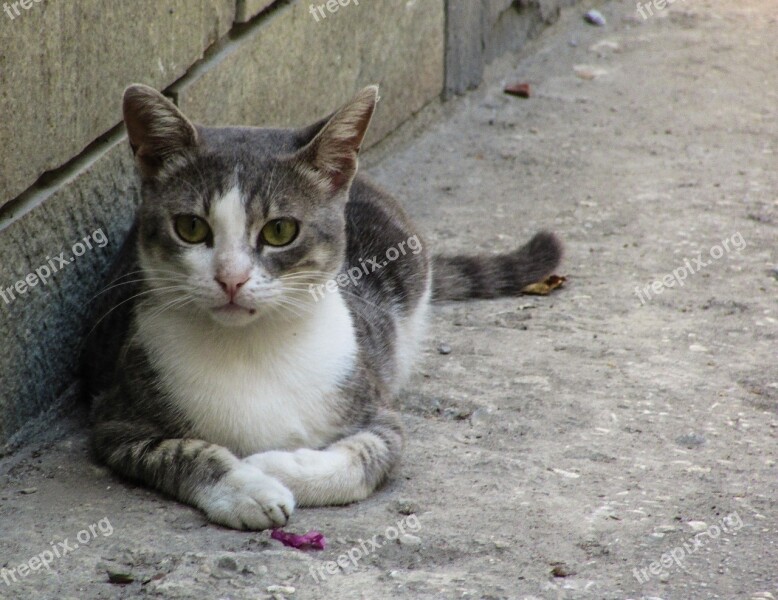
[247,498]
[317,477]
[292,465]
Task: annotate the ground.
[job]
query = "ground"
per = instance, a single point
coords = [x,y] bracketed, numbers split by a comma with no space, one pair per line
[614,440]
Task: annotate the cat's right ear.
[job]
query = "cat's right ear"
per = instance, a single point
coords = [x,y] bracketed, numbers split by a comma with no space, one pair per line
[160,135]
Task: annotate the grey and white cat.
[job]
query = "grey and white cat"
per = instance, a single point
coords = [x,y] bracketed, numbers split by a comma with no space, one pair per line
[222,380]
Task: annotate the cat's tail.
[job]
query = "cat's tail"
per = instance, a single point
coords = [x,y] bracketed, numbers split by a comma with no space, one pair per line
[468,277]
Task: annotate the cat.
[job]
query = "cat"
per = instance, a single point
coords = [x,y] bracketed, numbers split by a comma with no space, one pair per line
[247,369]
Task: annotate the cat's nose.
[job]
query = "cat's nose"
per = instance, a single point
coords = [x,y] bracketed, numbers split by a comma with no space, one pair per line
[232,282]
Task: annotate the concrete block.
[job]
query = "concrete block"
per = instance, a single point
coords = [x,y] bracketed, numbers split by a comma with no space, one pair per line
[42,324]
[298,66]
[464,45]
[510,24]
[63,67]
[478,31]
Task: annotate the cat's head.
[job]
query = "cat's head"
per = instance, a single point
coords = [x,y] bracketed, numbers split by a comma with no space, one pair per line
[240,222]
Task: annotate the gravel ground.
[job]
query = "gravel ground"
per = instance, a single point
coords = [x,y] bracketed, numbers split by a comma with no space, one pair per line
[588,444]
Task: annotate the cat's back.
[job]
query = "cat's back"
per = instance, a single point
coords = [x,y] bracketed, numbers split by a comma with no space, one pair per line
[389,279]
[379,230]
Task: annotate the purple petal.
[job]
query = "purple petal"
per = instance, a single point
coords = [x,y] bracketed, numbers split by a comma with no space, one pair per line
[313,540]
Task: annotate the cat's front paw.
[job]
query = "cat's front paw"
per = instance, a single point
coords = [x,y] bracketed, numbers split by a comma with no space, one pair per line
[246,498]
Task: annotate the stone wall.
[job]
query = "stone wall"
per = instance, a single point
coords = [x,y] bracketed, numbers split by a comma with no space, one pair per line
[67,180]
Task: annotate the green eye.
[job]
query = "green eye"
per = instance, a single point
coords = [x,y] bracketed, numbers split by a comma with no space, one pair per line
[280,232]
[192,229]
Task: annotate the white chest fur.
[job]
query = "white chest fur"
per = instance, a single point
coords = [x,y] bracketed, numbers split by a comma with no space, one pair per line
[270,386]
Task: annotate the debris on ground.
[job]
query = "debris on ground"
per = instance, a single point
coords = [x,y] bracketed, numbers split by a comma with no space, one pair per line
[594,17]
[520,89]
[545,287]
[313,540]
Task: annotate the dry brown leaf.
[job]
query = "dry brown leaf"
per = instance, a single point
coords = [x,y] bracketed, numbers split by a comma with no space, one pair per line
[545,287]
[520,89]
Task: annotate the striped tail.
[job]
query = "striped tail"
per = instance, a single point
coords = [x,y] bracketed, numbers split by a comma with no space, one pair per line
[469,277]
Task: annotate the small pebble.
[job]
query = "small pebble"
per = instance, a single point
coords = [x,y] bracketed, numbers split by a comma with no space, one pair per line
[480,416]
[280,589]
[227,563]
[561,570]
[588,72]
[666,528]
[690,440]
[568,474]
[697,526]
[594,17]
[405,506]
[408,539]
[444,349]
[604,46]
[31,490]
[119,577]
[453,413]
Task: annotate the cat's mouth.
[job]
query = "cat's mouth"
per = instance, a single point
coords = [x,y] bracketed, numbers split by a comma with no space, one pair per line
[232,308]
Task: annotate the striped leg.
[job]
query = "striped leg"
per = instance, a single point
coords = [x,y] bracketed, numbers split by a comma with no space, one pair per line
[204,475]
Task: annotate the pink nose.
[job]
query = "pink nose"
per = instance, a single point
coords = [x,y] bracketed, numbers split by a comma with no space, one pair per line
[232,282]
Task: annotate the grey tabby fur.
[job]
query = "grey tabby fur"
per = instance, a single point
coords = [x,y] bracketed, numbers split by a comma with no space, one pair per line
[143,427]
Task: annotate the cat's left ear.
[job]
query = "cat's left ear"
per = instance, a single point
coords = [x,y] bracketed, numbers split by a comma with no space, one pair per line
[332,154]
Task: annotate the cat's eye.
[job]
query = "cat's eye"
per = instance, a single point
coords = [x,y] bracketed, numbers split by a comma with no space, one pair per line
[280,232]
[191,229]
